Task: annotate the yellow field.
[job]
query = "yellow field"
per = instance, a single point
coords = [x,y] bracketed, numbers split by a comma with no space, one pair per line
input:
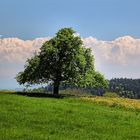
[2,91]
[128,103]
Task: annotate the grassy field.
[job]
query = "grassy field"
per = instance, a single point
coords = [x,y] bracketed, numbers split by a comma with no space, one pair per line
[32,118]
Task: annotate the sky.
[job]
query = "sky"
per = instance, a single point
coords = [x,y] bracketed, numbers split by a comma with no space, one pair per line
[109,27]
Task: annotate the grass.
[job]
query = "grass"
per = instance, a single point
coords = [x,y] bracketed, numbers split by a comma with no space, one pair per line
[32,118]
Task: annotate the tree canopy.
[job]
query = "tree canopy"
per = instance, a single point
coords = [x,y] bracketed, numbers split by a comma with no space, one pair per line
[62,59]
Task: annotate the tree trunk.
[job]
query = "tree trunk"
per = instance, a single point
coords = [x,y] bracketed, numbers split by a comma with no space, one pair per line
[56,87]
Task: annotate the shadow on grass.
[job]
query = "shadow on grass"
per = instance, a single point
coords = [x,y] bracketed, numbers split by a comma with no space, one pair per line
[42,94]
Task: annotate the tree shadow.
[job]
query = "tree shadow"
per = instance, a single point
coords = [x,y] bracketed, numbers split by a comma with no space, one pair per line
[42,94]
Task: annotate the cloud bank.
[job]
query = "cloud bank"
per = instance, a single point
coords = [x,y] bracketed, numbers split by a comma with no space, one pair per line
[116,58]
[124,50]
[17,50]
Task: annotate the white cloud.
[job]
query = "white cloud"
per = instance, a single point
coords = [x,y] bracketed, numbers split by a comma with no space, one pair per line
[17,50]
[123,52]
[117,58]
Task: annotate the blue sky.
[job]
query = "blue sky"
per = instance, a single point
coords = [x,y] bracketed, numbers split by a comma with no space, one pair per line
[104,19]
[110,27]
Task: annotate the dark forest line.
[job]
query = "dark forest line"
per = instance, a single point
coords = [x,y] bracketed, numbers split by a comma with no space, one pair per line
[124,87]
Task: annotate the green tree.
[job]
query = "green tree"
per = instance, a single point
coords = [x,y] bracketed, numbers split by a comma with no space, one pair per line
[62,59]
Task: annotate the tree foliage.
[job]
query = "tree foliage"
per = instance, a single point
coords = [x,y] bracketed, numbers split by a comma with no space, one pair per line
[62,59]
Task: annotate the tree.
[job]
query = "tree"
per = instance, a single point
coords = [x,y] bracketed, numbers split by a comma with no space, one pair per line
[62,59]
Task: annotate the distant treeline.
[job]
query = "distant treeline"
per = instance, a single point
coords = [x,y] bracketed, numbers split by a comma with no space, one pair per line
[124,87]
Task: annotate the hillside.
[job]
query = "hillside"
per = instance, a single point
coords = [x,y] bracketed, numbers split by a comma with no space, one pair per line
[23,117]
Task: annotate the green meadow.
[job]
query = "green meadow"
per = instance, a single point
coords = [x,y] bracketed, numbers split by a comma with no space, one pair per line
[69,118]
